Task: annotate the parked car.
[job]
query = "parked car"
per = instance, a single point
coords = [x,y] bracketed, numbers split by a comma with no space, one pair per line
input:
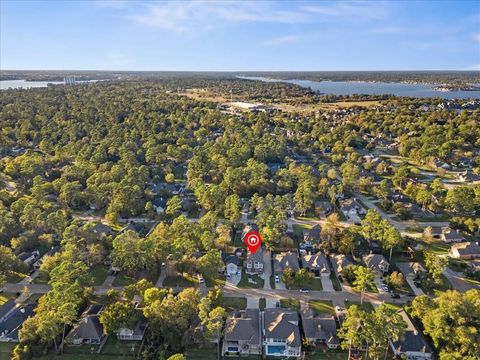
[277,278]
[201,280]
[395,296]
[304,291]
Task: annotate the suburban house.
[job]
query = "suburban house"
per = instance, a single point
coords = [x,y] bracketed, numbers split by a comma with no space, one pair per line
[465,250]
[243,334]
[12,320]
[254,262]
[316,263]
[452,236]
[285,260]
[412,345]
[29,257]
[320,329]
[102,230]
[313,235]
[134,334]
[352,210]
[340,262]
[281,335]
[231,264]
[89,330]
[159,204]
[53,250]
[377,263]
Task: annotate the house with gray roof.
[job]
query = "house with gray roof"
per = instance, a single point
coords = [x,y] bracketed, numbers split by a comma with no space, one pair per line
[340,262]
[89,330]
[6,309]
[377,263]
[135,333]
[412,345]
[452,236]
[13,320]
[465,250]
[254,262]
[243,334]
[320,329]
[285,260]
[281,334]
[316,263]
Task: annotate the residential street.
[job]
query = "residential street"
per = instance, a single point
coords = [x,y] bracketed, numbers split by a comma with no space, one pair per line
[458,282]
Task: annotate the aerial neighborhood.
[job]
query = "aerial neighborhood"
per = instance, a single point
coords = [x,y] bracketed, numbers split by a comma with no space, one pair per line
[125,208]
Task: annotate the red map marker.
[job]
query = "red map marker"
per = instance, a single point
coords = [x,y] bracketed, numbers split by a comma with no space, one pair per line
[253,241]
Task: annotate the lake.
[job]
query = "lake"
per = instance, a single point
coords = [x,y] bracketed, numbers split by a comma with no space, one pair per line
[24,84]
[373,88]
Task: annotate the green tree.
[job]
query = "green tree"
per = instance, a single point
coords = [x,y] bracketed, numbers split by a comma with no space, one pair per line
[174,206]
[117,316]
[363,280]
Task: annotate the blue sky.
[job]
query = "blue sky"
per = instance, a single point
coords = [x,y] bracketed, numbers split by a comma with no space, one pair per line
[228,35]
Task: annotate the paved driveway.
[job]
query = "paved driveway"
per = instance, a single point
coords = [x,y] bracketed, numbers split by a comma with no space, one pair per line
[252,302]
[234,279]
[267,269]
[327,284]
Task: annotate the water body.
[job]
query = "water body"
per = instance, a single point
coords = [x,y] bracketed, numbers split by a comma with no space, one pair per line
[374,88]
[24,84]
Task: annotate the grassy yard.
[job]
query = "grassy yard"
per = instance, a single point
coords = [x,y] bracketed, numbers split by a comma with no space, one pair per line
[262,304]
[234,303]
[99,274]
[123,279]
[366,305]
[257,281]
[220,281]
[433,218]
[457,264]
[290,304]
[336,283]
[298,230]
[437,247]
[120,348]
[311,284]
[178,280]
[322,306]
[6,350]
[200,353]
[14,277]
[42,278]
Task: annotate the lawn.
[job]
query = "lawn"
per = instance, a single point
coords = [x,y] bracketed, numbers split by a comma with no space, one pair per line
[434,218]
[99,274]
[457,264]
[178,281]
[123,279]
[290,304]
[394,306]
[6,350]
[298,229]
[14,277]
[220,281]
[244,282]
[234,303]
[336,283]
[437,247]
[262,304]
[311,284]
[322,307]
[200,353]
[366,305]
[120,348]
[42,278]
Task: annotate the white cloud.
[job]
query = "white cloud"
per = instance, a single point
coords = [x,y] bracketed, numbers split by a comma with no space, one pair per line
[476,37]
[193,16]
[473,67]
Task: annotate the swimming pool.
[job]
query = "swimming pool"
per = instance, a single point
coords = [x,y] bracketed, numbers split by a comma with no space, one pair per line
[275,349]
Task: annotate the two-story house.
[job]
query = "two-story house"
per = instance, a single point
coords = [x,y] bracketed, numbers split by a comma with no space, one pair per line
[243,334]
[281,335]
